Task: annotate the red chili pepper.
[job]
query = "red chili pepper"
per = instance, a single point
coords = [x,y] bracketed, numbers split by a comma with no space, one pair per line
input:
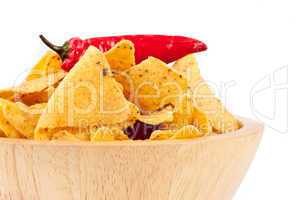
[166,48]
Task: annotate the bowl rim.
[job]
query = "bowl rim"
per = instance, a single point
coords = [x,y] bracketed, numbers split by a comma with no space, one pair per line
[249,127]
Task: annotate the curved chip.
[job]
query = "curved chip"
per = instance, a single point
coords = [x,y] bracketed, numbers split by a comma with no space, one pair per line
[187,132]
[157,117]
[188,67]
[162,134]
[201,121]
[5,126]
[152,84]
[22,120]
[40,84]
[108,134]
[7,94]
[49,63]
[65,135]
[121,56]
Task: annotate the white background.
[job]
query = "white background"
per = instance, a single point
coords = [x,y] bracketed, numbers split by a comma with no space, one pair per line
[248,41]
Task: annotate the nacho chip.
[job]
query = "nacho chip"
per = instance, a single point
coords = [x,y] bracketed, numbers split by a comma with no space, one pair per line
[40,84]
[204,100]
[37,108]
[152,84]
[188,67]
[183,114]
[121,56]
[34,98]
[201,121]
[20,118]
[5,126]
[187,132]
[162,134]
[108,134]
[221,120]
[88,96]
[2,134]
[157,117]
[7,94]
[49,63]
[65,135]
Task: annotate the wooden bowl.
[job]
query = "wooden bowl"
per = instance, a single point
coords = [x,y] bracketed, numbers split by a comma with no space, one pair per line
[208,168]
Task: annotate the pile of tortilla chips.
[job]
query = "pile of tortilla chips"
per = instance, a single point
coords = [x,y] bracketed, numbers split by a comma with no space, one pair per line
[107,93]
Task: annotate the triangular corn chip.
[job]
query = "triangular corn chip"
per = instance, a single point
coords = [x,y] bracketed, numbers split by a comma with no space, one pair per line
[221,120]
[7,94]
[40,84]
[152,84]
[162,134]
[157,117]
[108,134]
[21,117]
[49,63]
[5,126]
[201,121]
[65,135]
[121,56]
[88,96]
[188,67]
[29,99]
[187,132]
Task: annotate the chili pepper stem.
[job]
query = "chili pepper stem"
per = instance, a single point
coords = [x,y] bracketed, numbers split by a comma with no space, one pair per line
[61,50]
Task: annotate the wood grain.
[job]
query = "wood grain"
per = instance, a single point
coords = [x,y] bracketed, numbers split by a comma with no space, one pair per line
[208,168]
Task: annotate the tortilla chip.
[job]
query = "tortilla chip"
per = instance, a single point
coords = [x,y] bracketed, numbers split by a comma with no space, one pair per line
[188,67]
[2,134]
[40,84]
[37,108]
[157,117]
[33,98]
[7,94]
[108,134]
[183,114]
[22,119]
[221,120]
[201,121]
[162,134]
[5,126]
[88,96]
[49,63]
[187,132]
[152,84]
[65,135]
[204,100]
[121,56]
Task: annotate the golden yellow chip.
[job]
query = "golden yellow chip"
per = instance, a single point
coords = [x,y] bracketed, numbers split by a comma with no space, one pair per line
[108,134]
[65,135]
[40,84]
[20,118]
[183,114]
[152,84]
[201,121]
[5,126]
[49,63]
[204,100]
[187,132]
[7,94]
[121,56]
[221,120]
[87,96]
[162,134]
[157,117]
[188,67]
[2,134]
